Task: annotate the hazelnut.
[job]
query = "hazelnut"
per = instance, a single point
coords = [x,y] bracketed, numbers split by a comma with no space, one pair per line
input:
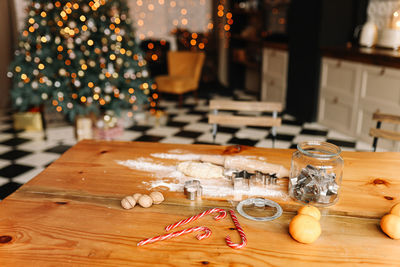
[136,196]
[145,201]
[128,202]
[157,197]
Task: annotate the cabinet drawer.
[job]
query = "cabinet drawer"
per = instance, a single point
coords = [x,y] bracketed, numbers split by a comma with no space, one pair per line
[275,62]
[380,85]
[340,75]
[336,112]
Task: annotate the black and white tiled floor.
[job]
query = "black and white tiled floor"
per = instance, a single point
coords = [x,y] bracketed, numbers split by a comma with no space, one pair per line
[23,155]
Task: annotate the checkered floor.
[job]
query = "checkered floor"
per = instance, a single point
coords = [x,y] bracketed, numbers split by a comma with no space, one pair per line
[23,155]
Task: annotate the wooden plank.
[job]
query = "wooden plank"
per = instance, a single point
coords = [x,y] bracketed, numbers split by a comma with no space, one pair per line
[244,120]
[389,118]
[380,133]
[245,105]
[70,214]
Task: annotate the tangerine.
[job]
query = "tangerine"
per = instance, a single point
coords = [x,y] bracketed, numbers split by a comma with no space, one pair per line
[395,209]
[390,225]
[304,228]
[311,211]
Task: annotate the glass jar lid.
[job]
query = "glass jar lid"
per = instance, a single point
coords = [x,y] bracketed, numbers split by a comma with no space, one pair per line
[319,149]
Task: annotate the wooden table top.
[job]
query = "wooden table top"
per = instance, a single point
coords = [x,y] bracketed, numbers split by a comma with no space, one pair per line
[70,214]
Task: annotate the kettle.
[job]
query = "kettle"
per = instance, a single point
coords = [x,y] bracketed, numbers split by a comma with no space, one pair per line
[369,34]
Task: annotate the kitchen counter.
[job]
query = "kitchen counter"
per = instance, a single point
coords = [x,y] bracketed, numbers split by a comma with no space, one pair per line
[374,56]
[276,45]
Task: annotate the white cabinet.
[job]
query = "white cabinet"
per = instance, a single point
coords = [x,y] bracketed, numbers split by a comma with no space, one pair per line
[274,75]
[380,89]
[350,92]
[339,86]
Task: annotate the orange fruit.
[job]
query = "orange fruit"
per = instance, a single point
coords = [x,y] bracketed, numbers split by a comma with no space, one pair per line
[311,211]
[390,225]
[304,228]
[395,209]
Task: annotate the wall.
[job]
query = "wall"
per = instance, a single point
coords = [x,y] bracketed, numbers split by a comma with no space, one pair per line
[155,18]
[380,11]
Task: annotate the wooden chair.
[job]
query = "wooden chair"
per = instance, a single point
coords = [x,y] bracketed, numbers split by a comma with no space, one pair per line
[264,121]
[184,71]
[381,133]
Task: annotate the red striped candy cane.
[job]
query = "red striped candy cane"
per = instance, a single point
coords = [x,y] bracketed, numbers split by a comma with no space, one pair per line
[207,233]
[222,214]
[241,233]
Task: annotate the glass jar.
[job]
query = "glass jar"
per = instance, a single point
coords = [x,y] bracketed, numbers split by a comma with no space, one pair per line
[316,173]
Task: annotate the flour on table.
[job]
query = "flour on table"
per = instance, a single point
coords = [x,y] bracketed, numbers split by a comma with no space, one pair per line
[180,157]
[147,165]
[169,176]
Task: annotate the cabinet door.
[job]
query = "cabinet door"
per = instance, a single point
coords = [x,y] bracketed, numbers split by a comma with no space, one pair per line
[380,89]
[339,87]
[340,76]
[336,111]
[275,91]
[274,76]
[275,62]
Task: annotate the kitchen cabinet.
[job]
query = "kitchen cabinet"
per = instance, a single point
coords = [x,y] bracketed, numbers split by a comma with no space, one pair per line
[340,83]
[350,92]
[274,75]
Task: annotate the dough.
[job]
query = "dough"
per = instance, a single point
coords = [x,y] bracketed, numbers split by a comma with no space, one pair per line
[248,164]
[251,165]
[145,201]
[128,202]
[157,197]
[200,169]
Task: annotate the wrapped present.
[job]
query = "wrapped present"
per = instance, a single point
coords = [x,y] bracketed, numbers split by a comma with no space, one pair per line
[157,118]
[28,121]
[108,127]
[84,128]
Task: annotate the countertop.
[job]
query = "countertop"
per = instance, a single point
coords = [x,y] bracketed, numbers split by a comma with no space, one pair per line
[374,56]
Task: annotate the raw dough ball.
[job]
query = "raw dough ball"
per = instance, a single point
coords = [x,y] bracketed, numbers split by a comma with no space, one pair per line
[311,211]
[145,201]
[128,202]
[304,228]
[136,196]
[157,197]
[395,209]
[390,225]
[200,169]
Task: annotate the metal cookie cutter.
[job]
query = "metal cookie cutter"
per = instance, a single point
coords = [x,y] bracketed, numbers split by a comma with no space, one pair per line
[259,202]
[192,189]
[266,179]
[241,180]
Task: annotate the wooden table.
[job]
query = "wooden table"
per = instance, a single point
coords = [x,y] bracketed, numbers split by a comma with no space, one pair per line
[70,214]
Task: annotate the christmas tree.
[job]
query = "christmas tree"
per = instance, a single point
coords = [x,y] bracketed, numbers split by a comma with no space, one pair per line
[80,56]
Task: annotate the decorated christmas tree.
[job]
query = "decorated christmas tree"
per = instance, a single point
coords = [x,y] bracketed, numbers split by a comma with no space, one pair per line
[80,56]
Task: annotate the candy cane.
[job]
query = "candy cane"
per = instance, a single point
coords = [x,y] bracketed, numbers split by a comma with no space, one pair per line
[241,233]
[198,216]
[207,233]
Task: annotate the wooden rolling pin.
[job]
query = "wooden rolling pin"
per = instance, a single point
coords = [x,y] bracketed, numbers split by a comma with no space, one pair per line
[243,163]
